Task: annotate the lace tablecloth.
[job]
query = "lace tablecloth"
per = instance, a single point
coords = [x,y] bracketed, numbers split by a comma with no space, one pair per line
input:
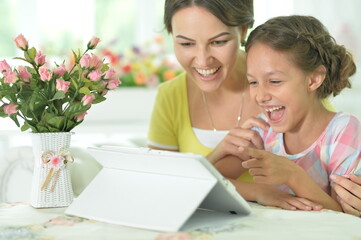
[21,221]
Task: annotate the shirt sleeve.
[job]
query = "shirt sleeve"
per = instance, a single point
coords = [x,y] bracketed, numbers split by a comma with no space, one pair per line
[344,146]
[161,132]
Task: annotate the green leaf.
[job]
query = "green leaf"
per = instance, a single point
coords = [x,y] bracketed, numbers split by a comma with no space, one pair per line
[98,99]
[84,90]
[76,109]
[31,53]
[58,95]
[25,127]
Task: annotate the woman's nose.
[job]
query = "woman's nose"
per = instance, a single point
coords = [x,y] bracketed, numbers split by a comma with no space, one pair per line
[203,56]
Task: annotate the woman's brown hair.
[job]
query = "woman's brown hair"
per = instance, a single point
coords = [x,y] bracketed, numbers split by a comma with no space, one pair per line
[233,13]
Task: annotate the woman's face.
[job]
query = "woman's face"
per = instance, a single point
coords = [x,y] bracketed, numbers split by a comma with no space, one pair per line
[206,48]
[279,87]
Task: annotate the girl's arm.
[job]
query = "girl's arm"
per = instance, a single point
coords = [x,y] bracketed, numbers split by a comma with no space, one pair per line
[271,196]
[268,168]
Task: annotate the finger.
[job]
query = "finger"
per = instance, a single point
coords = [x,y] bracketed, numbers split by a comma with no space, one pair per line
[347,184]
[355,178]
[296,202]
[348,209]
[247,137]
[312,205]
[255,122]
[252,163]
[255,153]
[347,197]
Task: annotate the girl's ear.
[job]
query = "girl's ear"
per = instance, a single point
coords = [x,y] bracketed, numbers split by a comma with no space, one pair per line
[316,78]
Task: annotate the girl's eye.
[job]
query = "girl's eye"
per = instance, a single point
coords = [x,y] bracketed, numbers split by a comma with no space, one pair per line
[275,81]
[252,82]
[219,42]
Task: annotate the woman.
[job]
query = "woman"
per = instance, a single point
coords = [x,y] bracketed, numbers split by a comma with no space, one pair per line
[201,110]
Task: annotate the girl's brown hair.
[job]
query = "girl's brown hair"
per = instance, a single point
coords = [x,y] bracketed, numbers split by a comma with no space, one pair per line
[310,45]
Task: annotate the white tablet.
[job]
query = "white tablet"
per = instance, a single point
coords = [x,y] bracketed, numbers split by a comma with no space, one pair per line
[158,190]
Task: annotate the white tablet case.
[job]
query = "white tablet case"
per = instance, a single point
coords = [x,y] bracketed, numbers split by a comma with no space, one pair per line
[157,190]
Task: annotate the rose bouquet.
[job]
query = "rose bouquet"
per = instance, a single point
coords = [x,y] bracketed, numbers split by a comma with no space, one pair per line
[53,99]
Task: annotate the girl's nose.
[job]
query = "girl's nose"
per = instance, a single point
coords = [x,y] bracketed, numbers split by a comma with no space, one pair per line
[262,94]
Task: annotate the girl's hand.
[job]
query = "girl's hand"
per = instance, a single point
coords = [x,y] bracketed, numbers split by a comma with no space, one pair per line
[272,196]
[269,168]
[348,192]
[239,136]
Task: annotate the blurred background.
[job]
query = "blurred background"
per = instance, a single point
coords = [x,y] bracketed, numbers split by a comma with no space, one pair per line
[134,42]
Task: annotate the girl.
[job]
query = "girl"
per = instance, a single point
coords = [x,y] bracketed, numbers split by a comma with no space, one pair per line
[293,63]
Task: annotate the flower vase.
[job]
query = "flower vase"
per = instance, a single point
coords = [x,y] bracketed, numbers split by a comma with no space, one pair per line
[51,182]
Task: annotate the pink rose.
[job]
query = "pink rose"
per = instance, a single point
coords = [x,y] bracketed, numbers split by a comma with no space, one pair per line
[4,66]
[21,42]
[80,117]
[93,43]
[59,71]
[109,74]
[95,75]
[113,84]
[85,61]
[45,74]
[10,109]
[23,73]
[87,100]
[95,62]
[10,77]
[62,85]
[39,58]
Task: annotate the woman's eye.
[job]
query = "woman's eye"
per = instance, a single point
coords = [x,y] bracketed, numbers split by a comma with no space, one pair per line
[186,44]
[252,82]
[219,42]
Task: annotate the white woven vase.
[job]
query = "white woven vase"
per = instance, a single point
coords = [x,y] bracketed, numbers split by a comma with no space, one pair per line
[58,192]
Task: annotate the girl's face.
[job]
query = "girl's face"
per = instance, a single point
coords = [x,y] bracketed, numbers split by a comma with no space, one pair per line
[279,87]
[206,48]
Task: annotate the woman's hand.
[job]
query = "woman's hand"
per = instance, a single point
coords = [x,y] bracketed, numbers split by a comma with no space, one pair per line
[348,192]
[239,136]
[269,168]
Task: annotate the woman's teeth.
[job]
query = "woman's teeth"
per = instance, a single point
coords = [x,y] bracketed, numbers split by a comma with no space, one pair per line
[206,72]
[274,109]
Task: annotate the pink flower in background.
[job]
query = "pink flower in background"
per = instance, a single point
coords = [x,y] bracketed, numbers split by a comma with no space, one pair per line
[23,73]
[45,74]
[59,71]
[4,66]
[10,77]
[85,60]
[113,84]
[109,74]
[10,109]
[39,58]
[95,75]
[93,42]
[21,42]
[62,85]
[95,62]
[80,117]
[86,100]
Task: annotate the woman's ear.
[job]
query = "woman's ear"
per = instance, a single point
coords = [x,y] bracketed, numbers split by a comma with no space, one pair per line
[316,78]
[244,30]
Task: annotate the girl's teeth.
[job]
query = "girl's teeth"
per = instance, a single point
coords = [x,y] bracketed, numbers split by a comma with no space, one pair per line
[273,109]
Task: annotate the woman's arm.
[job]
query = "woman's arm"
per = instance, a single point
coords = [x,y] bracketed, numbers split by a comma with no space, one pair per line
[268,168]
[348,191]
